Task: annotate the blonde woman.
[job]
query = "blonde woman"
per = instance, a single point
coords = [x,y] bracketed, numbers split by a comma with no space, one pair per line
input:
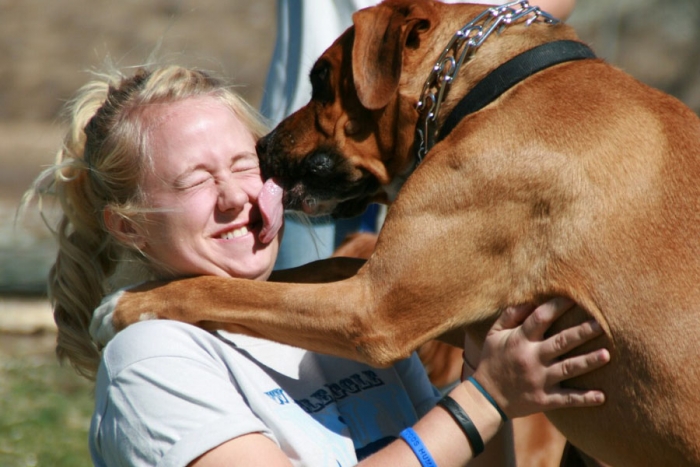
[158,178]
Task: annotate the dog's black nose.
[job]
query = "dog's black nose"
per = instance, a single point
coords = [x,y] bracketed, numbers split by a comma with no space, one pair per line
[320,164]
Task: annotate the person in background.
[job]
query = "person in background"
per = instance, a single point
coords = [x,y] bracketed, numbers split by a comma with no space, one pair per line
[158,178]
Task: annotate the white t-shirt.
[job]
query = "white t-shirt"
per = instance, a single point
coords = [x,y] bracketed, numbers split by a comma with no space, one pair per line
[168,392]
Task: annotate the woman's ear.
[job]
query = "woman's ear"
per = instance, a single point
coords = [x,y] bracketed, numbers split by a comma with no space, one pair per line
[127,232]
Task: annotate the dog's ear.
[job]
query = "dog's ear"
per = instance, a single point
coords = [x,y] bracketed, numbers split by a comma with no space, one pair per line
[381,34]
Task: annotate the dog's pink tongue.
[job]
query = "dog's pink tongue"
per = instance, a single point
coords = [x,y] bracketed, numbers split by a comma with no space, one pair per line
[271,209]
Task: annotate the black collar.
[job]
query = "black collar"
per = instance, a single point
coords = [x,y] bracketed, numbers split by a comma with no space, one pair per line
[511,73]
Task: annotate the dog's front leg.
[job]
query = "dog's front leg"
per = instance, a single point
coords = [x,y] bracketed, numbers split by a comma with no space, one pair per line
[331,318]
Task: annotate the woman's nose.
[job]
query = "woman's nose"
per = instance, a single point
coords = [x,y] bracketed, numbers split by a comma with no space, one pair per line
[232,197]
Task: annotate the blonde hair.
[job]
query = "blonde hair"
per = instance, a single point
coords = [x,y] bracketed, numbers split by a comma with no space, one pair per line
[100,166]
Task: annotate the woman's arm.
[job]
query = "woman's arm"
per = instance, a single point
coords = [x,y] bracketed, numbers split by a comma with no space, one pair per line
[252,450]
[519,368]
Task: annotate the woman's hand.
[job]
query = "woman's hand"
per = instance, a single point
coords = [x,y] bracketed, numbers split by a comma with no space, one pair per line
[522,370]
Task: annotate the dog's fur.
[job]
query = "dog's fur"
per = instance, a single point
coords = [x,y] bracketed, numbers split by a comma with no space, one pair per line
[537,443]
[443,362]
[580,182]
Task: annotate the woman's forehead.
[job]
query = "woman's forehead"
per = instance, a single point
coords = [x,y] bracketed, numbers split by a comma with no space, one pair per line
[193,131]
[158,114]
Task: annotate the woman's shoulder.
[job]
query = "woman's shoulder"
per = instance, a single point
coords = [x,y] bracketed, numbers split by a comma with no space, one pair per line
[154,339]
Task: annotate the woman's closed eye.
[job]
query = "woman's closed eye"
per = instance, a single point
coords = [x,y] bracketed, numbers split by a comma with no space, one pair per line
[192,181]
[245,162]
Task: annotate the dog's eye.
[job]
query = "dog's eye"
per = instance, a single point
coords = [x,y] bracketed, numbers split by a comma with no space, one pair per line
[322,90]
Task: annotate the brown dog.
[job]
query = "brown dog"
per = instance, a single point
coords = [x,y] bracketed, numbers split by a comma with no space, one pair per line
[578,181]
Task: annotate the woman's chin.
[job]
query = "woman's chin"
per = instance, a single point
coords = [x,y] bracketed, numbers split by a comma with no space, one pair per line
[259,268]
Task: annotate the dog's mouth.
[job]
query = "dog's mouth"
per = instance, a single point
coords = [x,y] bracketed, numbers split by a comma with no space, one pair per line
[323,182]
[316,202]
[338,198]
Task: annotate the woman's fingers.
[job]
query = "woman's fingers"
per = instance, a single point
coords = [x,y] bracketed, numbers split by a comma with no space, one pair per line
[568,339]
[568,398]
[522,370]
[558,397]
[576,366]
[512,317]
[535,326]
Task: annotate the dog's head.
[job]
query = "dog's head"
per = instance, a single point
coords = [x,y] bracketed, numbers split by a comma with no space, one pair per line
[345,147]
[335,155]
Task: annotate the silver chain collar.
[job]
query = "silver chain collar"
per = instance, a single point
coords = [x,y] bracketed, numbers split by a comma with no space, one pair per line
[463,45]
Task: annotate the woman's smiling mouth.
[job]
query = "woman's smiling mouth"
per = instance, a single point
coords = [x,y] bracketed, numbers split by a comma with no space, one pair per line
[235,233]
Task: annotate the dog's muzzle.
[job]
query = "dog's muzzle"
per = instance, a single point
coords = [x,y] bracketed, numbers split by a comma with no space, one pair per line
[322,182]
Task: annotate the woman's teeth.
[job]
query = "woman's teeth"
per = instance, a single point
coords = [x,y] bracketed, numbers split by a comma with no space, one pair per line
[235,233]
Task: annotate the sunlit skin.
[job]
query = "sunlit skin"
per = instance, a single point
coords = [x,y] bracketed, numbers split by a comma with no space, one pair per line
[206,179]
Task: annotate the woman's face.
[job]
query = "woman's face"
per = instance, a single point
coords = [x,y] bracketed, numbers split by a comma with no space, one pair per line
[206,181]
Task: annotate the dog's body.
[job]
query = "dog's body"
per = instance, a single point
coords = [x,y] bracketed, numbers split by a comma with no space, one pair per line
[577,182]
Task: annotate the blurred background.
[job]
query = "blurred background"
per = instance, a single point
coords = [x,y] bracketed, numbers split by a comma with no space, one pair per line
[49,48]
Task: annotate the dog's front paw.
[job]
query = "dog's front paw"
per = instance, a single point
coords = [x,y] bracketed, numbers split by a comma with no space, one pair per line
[102,327]
[114,313]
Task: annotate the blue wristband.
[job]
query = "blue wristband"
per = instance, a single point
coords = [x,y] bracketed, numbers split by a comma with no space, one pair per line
[418,448]
[481,389]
